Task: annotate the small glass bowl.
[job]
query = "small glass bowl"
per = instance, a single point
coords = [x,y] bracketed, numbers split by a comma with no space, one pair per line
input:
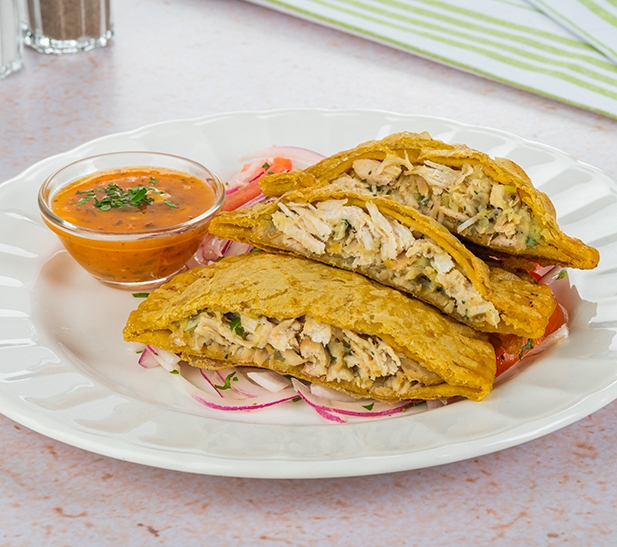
[132,260]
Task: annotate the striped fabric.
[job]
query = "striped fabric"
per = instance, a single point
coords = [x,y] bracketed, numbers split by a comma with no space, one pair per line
[510,41]
[592,21]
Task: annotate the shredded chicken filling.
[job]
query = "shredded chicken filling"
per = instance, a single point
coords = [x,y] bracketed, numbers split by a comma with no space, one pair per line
[466,201]
[373,243]
[317,349]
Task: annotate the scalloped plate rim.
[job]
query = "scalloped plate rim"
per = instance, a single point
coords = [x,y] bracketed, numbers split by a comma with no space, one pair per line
[334,467]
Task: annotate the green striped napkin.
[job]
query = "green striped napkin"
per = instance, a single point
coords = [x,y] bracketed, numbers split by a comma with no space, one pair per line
[510,41]
[593,21]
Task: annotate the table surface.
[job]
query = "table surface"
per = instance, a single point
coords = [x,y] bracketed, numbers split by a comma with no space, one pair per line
[190,58]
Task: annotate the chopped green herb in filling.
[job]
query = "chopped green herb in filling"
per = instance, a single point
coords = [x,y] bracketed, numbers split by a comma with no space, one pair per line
[467,201]
[386,250]
[317,350]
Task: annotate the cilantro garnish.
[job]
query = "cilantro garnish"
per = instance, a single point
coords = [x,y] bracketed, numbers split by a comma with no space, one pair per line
[369,407]
[227,385]
[116,197]
[170,203]
[140,295]
[89,195]
[347,348]
[562,274]
[527,346]
[235,324]
[153,180]
[174,371]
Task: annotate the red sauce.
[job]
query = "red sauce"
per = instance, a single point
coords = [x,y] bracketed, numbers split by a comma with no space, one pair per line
[176,198]
[173,198]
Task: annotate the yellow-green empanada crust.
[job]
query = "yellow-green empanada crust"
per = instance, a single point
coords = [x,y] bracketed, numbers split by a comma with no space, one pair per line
[524,306]
[284,287]
[555,247]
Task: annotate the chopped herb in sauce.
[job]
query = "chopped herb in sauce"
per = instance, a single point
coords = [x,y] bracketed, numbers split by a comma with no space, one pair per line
[116,197]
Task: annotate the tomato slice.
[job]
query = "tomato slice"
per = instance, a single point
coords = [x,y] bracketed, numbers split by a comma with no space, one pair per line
[504,361]
[279,165]
[514,348]
[242,196]
[252,189]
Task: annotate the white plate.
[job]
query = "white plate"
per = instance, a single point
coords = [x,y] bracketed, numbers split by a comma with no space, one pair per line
[66,373]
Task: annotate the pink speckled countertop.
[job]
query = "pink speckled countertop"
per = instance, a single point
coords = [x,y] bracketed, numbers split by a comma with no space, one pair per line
[189,58]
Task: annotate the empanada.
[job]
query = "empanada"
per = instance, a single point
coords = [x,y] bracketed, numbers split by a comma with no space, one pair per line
[490,202]
[316,323]
[397,246]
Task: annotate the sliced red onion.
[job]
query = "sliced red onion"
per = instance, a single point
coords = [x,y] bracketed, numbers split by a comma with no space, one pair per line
[248,405]
[566,315]
[302,156]
[557,336]
[212,248]
[240,384]
[218,403]
[263,388]
[551,275]
[236,248]
[358,408]
[270,380]
[147,359]
[320,409]
[214,380]
[169,361]
[376,408]
[196,377]
[331,394]
[252,172]
[226,246]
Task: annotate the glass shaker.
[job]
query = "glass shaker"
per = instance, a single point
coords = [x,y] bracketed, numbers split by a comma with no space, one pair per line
[11,48]
[67,26]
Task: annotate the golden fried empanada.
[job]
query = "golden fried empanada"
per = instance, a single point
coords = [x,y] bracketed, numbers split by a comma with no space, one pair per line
[397,246]
[490,202]
[316,323]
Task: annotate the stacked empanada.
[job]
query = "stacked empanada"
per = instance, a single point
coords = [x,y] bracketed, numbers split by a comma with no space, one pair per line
[381,271]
